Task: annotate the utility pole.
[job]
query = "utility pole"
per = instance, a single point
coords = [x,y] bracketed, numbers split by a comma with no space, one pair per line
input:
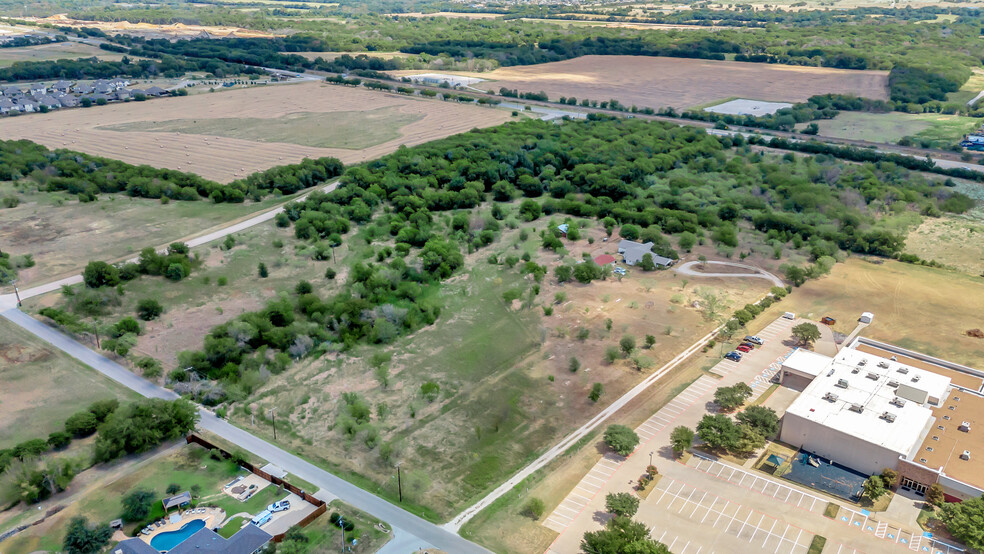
[399,482]
[273,417]
[17,294]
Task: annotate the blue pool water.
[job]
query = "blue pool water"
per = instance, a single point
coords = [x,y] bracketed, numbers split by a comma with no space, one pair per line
[167,541]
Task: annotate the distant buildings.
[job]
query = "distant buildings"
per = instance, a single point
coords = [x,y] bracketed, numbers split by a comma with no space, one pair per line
[39,97]
[632,253]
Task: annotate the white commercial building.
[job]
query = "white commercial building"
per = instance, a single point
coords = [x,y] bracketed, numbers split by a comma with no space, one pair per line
[860,410]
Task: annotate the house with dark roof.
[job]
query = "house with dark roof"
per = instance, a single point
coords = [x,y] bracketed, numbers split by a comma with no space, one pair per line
[155,91]
[28,106]
[6,106]
[61,86]
[247,540]
[632,253]
[82,89]
[177,500]
[68,101]
[48,101]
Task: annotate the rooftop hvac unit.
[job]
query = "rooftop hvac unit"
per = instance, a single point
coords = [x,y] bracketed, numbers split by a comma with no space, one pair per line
[883,365]
[888,416]
[856,370]
[965,427]
[857,408]
[915,379]
[903,370]
[842,383]
[863,361]
[895,359]
[893,383]
[830,397]
[965,455]
[872,376]
[831,372]
[897,402]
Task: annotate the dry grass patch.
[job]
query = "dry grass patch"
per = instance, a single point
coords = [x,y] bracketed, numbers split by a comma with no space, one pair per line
[953,241]
[659,82]
[239,153]
[54,51]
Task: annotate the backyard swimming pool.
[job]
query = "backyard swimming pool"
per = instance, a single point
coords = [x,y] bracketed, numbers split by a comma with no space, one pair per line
[167,541]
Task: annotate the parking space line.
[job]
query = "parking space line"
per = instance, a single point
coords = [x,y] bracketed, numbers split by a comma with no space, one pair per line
[769,534]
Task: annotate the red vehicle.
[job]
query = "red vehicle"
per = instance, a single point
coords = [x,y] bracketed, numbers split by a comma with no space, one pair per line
[744,348]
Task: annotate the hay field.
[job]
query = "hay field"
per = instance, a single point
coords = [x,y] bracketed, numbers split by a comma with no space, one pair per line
[890,127]
[226,158]
[681,83]
[54,51]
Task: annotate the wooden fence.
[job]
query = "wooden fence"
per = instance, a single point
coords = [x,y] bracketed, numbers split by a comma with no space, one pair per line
[320,506]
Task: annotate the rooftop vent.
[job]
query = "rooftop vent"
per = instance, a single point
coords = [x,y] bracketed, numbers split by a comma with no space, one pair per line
[923,460]
[903,370]
[965,427]
[915,379]
[883,365]
[842,383]
[857,408]
[929,448]
[888,416]
[940,427]
[956,398]
[830,397]
[893,383]
[872,376]
[898,402]
[946,417]
[965,455]
[856,370]
[863,361]
[831,372]
[936,438]
[894,359]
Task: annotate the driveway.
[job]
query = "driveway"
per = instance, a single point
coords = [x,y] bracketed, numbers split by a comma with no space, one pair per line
[753,273]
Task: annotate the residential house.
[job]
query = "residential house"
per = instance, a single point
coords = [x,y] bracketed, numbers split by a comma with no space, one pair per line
[121,95]
[48,101]
[62,86]
[28,106]
[119,83]
[82,89]
[155,91]
[37,89]
[632,253]
[96,96]
[6,106]
[248,540]
[103,88]
[68,101]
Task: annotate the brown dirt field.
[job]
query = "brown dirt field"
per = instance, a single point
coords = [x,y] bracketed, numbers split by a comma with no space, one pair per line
[226,159]
[450,15]
[54,51]
[174,29]
[660,82]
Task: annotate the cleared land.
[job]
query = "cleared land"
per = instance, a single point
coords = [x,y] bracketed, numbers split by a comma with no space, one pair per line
[953,241]
[915,307]
[890,127]
[659,82]
[54,51]
[63,234]
[40,387]
[169,30]
[225,159]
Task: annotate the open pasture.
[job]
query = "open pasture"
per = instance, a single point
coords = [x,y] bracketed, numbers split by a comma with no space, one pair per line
[242,149]
[54,51]
[681,83]
[890,127]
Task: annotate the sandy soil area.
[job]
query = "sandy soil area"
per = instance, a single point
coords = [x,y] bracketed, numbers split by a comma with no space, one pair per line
[681,83]
[227,159]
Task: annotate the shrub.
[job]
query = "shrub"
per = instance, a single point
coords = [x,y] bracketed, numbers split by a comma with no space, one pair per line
[596,390]
[611,354]
[149,309]
[81,424]
[533,509]
[430,390]
[59,440]
[136,505]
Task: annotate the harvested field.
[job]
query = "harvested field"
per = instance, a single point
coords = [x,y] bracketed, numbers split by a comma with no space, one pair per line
[169,30]
[54,51]
[226,158]
[890,127]
[680,83]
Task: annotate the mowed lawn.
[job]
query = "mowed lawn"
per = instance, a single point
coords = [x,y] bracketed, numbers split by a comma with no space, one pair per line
[63,234]
[188,466]
[890,127]
[915,307]
[40,387]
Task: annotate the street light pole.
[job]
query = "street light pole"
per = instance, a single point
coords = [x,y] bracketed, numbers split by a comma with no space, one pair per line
[17,294]
[273,420]
[650,458]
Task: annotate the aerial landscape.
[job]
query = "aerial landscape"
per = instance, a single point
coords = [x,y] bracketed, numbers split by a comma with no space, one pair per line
[423,276]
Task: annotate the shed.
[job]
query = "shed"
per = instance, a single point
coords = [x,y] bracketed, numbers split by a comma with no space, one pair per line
[866,317]
[177,500]
[563,227]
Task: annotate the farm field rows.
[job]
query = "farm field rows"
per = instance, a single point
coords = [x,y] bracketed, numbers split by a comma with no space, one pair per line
[224,159]
[681,83]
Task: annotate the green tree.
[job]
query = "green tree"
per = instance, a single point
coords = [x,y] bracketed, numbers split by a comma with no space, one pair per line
[621,504]
[806,333]
[587,271]
[719,431]
[621,439]
[934,495]
[621,535]
[262,270]
[889,477]
[651,341]
[533,509]
[681,439]
[687,241]
[81,424]
[965,521]
[82,538]
[136,505]
[564,273]
[627,344]
[173,488]
[574,364]
[874,487]
[149,309]
[750,440]
[596,390]
[647,263]
[763,420]
[100,274]
[730,398]
[430,390]
[611,354]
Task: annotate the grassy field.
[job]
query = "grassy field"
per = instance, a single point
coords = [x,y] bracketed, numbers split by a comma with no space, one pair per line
[40,387]
[325,537]
[224,159]
[54,51]
[953,241]
[890,127]
[187,466]
[349,130]
[969,90]
[915,307]
[63,234]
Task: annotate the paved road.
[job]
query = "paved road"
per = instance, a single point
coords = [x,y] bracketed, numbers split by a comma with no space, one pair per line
[455,524]
[757,273]
[410,532]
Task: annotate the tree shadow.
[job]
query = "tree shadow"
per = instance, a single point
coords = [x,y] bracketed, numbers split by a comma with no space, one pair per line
[601,517]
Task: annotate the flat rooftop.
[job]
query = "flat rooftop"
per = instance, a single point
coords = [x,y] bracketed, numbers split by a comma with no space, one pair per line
[948,441]
[857,380]
[958,378]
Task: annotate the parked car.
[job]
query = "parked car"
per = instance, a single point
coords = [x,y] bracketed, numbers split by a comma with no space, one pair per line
[789,315]
[754,340]
[733,356]
[827,320]
[279,506]
[743,348]
[262,518]
[750,345]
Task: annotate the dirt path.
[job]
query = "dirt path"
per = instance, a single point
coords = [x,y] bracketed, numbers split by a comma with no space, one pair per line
[757,273]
